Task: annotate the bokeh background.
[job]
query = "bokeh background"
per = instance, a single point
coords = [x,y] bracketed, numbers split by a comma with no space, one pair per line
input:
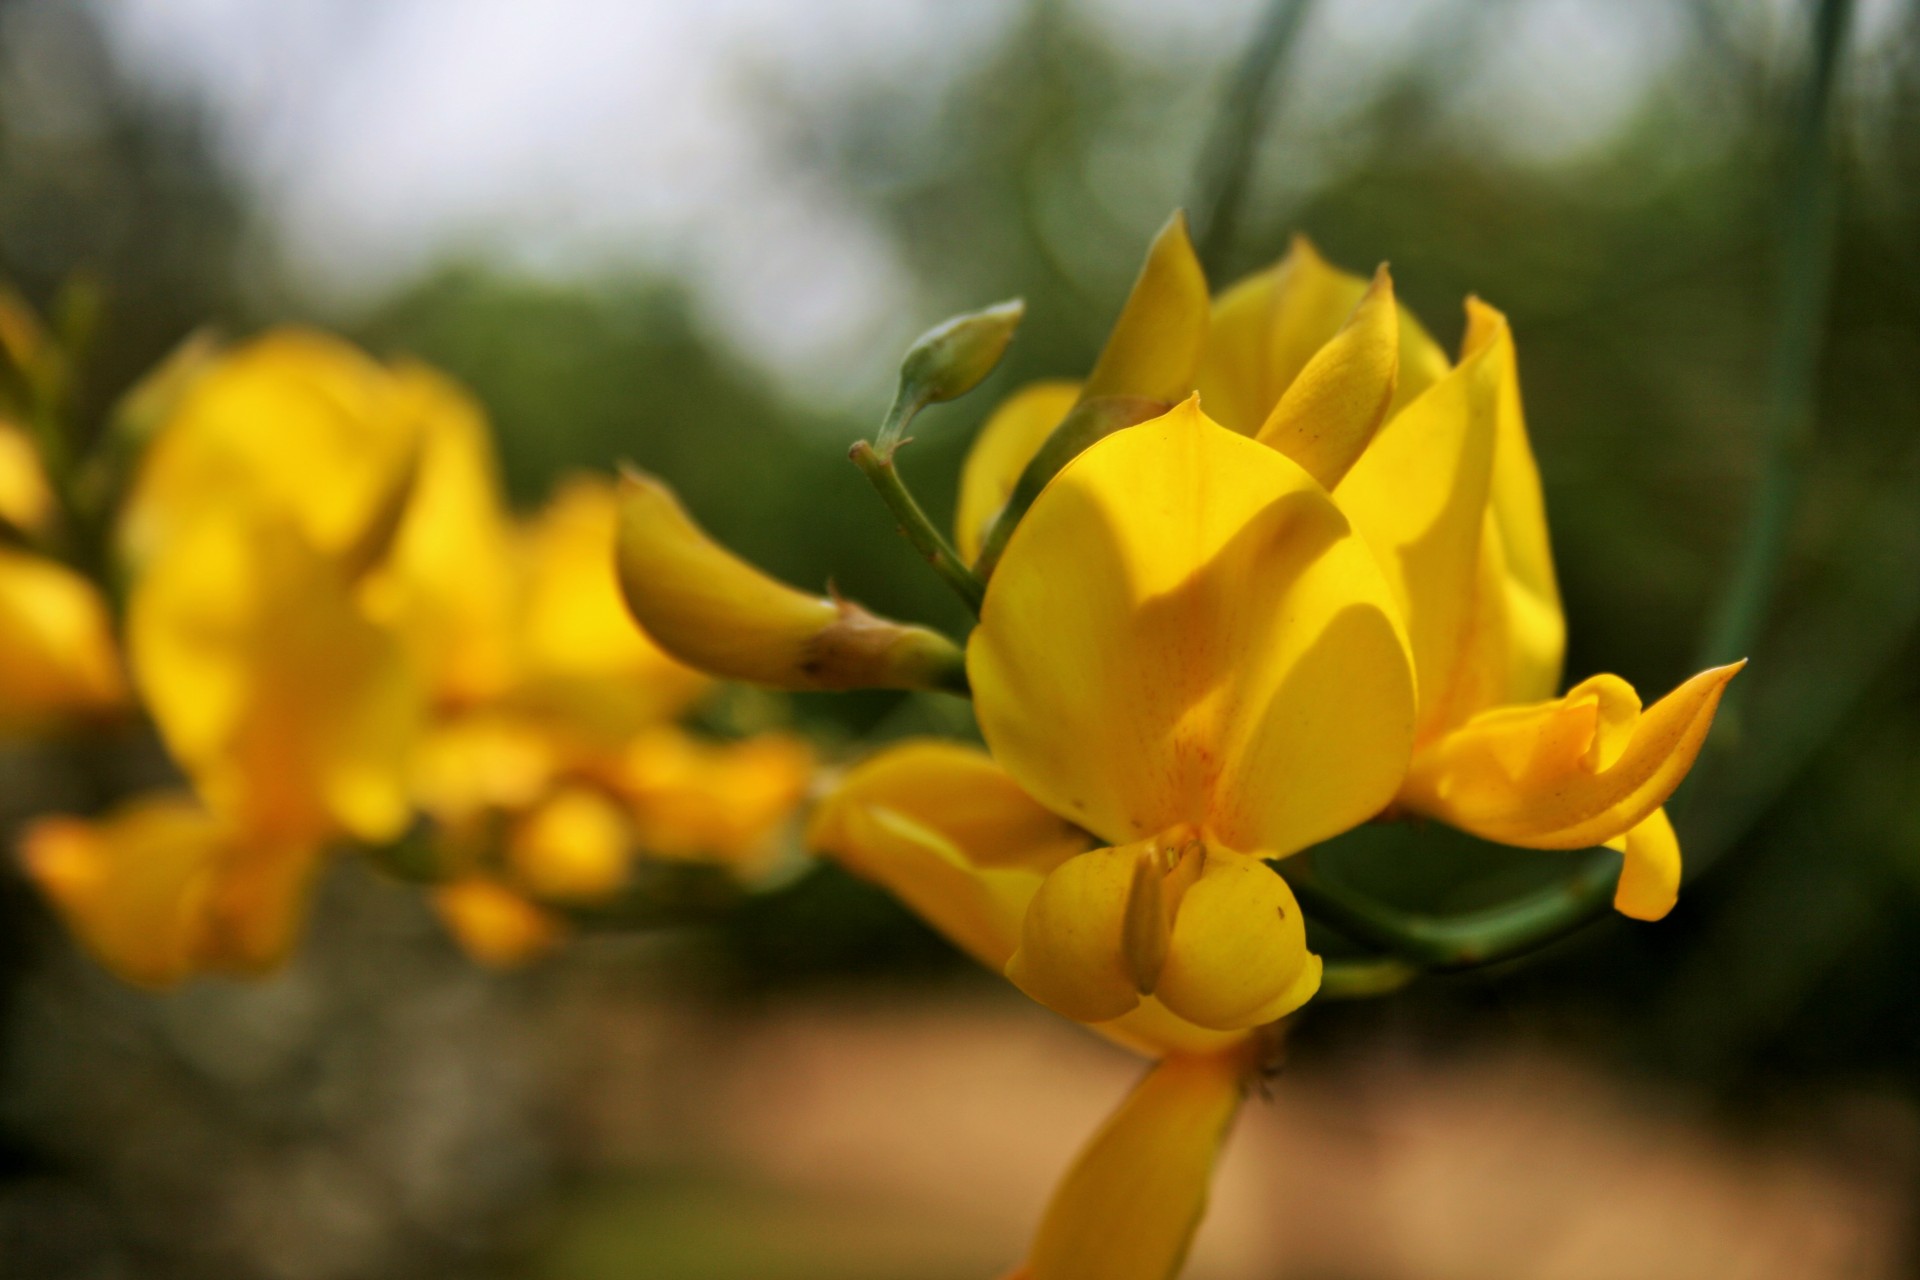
[698,237]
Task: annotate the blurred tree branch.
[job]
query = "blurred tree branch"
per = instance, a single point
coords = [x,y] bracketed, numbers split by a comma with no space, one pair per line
[1226,161]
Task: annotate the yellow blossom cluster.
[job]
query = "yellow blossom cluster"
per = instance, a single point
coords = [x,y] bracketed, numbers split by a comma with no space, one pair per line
[345,639]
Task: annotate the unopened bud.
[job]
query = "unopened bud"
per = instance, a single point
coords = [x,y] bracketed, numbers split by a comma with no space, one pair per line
[951,358]
[717,613]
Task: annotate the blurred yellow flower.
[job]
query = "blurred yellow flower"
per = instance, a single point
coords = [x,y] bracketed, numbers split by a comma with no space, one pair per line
[25,500]
[335,622]
[161,888]
[294,422]
[58,659]
[494,924]
[582,662]
[723,802]
[575,766]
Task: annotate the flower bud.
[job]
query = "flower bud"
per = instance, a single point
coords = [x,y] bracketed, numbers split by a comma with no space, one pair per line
[715,612]
[950,359]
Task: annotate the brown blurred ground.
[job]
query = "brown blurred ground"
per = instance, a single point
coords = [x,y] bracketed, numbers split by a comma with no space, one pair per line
[923,1140]
[384,1109]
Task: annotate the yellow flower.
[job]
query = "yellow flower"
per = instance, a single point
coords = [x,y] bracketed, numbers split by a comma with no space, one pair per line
[268,499]
[446,583]
[161,888]
[290,708]
[301,423]
[582,662]
[25,501]
[573,846]
[1201,647]
[548,790]
[1431,464]
[1186,663]
[1186,652]
[715,612]
[58,659]
[493,923]
[722,802]
[961,843]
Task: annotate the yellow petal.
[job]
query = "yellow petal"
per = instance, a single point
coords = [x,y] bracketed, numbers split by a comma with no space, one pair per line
[1238,956]
[1008,441]
[495,925]
[1569,774]
[1215,936]
[467,765]
[1533,630]
[1073,955]
[1330,412]
[719,614]
[300,423]
[57,654]
[1184,629]
[950,834]
[978,909]
[1129,1206]
[727,802]
[960,793]
[447,583]
[1649,868]
[573,847]
[1154,1031]
[1418,496]
[1267,327]
[25,499]
[1157,342]
[159,889]
[293,712]
[943,829]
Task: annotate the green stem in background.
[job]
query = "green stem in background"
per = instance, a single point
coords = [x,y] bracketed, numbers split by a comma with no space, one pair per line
[1806,275]
[1365,979]
[1226,163]
[1462,941]
[932,545]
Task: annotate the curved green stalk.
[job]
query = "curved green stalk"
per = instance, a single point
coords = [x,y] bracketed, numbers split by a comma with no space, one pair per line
[1227,161]
[877,466]
[1468,940]
[1365,979]
[1806,278]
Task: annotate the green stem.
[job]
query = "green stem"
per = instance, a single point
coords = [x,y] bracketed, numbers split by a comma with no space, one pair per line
[1806,278]
[932,545]
[1469,940]
[1227,161]
[907,405]
[1365,979]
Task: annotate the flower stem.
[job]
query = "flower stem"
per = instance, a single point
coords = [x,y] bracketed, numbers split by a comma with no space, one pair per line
[1226,163]
[877,466]
[1464,941]
[1806,278]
